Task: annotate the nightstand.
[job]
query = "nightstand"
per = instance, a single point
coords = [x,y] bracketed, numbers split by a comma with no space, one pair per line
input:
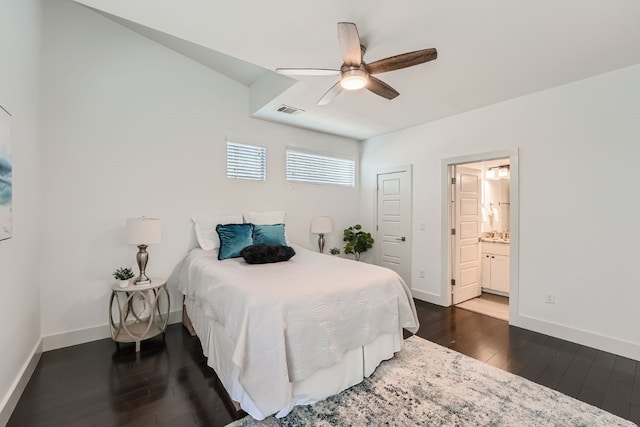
[139,312]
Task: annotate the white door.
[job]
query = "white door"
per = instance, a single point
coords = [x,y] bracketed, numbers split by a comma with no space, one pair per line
[393,237]
[466,266]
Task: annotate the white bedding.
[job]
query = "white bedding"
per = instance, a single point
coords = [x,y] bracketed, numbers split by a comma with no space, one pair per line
[290,319]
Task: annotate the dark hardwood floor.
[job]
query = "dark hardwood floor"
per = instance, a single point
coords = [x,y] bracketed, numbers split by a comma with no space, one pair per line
[169,383]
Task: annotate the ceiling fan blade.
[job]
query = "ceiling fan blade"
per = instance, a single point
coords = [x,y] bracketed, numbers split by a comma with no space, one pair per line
[349,44]
[331,93]
[379,87]
[402,61]
[307,71]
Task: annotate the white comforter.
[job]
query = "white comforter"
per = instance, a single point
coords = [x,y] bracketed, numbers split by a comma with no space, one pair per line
[291,318]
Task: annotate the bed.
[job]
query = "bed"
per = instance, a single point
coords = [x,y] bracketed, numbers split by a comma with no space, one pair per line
[295,332]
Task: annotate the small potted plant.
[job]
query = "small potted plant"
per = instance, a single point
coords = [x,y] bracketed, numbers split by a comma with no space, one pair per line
[334,251]
[358,241]
[123,275]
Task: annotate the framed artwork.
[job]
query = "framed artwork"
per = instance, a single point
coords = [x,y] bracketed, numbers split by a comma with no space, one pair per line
[6,177]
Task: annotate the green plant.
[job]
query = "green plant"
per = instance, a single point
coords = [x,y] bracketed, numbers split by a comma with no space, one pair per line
[123,273]
[358,241]
[334,251]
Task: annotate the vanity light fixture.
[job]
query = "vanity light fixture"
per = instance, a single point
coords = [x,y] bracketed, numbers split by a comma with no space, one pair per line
[497,172]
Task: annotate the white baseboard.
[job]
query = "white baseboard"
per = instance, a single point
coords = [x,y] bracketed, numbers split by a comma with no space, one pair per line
[19,384]
[580,336]
[427,297]
[81,336]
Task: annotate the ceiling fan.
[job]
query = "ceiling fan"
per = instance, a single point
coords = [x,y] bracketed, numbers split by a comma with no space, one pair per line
[357,74]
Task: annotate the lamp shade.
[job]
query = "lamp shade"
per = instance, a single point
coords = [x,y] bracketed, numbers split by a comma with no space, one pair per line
[143,231]
[321,225]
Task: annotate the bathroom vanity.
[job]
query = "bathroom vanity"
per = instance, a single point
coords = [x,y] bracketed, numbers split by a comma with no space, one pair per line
[495,266]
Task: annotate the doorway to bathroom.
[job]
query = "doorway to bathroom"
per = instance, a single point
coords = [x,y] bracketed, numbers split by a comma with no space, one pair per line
[479,247]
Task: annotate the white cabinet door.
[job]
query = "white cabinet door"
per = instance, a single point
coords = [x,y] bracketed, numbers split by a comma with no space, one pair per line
[500,273]
[486,271]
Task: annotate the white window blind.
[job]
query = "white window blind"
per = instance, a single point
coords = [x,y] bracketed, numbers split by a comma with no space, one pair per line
[320,169]
[246,161]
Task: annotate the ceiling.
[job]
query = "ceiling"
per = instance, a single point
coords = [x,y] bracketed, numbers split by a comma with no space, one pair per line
[488,51]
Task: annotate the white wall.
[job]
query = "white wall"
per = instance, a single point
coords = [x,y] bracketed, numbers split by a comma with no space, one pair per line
[132,128]
[19,256]
[578,149]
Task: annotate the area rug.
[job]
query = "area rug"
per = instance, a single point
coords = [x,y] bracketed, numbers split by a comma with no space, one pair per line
[430,385]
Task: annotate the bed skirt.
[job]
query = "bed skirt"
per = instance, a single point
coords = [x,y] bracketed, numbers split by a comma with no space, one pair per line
[352,368]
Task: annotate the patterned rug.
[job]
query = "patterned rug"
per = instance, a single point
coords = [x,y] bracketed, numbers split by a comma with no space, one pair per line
[427,384]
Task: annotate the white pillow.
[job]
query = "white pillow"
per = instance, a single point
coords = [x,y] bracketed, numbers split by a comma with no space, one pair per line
[205,228]
[265,218]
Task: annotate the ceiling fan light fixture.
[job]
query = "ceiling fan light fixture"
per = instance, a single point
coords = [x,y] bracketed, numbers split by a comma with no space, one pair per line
[355,73]
[353,79]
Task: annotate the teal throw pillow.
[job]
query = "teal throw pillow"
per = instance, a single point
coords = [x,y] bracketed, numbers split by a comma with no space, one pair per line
[233,239]
[271,234]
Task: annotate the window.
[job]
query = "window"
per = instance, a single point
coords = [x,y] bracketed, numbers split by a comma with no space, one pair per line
[317,168]
[246,161]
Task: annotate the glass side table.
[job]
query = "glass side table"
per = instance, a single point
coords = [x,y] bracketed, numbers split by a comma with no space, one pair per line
[139,312]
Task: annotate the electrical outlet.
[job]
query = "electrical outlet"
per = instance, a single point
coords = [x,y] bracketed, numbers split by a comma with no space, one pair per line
[550,299]
[422,225]
[421,273]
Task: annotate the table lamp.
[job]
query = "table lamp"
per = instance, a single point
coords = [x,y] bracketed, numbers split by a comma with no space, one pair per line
[143,232]
[321,225]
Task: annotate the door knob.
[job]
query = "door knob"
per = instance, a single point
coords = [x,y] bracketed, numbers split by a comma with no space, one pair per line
[401,239]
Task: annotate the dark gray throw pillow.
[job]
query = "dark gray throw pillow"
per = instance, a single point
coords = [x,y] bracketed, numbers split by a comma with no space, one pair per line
[264,253]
